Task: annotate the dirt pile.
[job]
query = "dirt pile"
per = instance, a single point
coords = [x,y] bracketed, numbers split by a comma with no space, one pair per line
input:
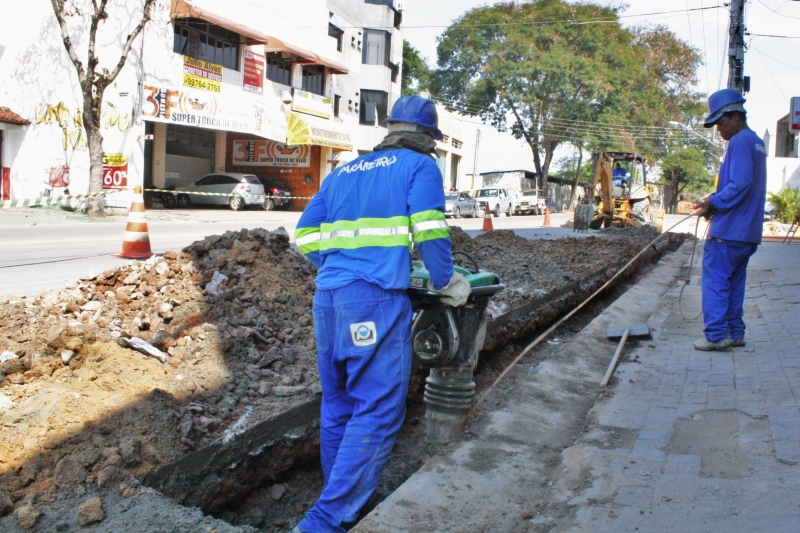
[531,268]
[78,407]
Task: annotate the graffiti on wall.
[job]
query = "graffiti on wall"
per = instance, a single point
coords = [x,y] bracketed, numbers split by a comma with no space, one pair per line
[71,122]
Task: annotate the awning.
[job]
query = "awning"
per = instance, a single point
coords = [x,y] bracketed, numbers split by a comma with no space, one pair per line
[305,130]
[9,117]
[186,9]
[197,9]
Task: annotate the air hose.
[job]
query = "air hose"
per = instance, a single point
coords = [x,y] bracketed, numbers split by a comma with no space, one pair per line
[569,315]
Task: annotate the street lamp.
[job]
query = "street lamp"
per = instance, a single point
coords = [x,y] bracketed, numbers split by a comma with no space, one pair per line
[690,130]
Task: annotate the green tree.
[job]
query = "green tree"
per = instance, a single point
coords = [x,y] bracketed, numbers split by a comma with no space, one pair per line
[555,72]
[787,204]
[686,171]
[92,78]
[416,72]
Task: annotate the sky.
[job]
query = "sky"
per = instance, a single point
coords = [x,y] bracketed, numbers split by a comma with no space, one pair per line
[773,64]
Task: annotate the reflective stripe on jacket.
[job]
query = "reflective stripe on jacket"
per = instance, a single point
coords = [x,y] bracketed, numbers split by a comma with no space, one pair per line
[365,218]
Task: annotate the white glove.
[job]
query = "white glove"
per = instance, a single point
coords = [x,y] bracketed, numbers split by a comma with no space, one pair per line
[456,291]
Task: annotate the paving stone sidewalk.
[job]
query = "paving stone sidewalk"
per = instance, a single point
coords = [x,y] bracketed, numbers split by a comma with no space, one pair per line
[698,441]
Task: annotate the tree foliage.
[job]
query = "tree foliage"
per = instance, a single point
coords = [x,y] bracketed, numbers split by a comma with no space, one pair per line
[554,72]
[685,171]
[787,204]
[93,79]
[416,73]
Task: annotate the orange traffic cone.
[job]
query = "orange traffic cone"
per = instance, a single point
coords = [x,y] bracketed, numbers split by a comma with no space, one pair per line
[136,244]
[546,223]
[487,220]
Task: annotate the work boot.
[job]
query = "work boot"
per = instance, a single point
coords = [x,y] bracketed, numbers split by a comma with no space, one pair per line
[707,346]
[738,343]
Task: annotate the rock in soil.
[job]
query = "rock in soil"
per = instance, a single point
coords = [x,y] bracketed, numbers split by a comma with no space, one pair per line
[27,515]
[91,512]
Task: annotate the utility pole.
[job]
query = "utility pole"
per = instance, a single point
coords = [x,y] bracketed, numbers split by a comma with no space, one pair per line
[475,161]
[736,77]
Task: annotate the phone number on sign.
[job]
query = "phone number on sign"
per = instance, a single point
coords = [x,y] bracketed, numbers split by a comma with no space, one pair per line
[201,84]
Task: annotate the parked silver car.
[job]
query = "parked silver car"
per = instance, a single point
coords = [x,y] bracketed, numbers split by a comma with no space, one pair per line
[458,204]
[229,189]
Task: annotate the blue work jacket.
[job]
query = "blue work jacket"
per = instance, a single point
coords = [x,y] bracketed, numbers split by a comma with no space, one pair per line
[365,217]
[741,191]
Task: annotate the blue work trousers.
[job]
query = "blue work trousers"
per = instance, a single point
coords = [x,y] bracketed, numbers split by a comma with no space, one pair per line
[724,276]
[363,337]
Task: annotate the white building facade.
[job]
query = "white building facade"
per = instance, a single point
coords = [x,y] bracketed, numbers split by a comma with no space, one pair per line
[269,88]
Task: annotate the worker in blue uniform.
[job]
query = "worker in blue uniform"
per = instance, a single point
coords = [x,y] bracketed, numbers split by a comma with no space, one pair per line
[619,175]
[359,230]
[737,216]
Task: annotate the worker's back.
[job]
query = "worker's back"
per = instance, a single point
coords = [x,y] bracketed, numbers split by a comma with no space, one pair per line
[369,211]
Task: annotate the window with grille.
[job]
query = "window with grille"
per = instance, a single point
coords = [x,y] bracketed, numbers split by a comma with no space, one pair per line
[374,107]
[314,79]
[202,40]
[279,69]
[377,46]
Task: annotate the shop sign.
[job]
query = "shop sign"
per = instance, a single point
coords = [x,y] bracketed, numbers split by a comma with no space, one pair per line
[253,72]
[115,171]
[312,104]
[258,153]
[201,74]
[212,111]
[794,115]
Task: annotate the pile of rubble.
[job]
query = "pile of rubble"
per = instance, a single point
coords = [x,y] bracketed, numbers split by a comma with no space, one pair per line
[79,407]
[531,268]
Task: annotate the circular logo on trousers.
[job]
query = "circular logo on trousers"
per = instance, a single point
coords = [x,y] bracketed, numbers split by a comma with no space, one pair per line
[363,333]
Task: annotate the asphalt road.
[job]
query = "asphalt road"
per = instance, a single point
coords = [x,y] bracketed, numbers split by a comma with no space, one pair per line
[43,250]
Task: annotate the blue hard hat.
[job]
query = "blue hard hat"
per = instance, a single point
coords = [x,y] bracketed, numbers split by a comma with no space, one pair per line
[721,102]
[416,110]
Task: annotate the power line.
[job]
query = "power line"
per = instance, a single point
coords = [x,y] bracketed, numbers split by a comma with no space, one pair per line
[622,128]
[775,59]
[705,47]
[600,20]
[776,10]
[771,75]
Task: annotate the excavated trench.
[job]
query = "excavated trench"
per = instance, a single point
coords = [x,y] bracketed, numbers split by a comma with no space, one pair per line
[229,423]
[268,476]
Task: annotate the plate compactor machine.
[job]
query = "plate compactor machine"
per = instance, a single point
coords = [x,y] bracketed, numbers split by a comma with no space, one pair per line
[447,340]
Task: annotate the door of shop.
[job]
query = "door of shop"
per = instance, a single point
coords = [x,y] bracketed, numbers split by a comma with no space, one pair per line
[190,154]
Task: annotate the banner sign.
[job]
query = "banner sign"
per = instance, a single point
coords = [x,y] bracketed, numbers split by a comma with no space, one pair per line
[794,115]
[253,72]
[312,104]
[270,154]
[115,171]
[212,111]
[202,74]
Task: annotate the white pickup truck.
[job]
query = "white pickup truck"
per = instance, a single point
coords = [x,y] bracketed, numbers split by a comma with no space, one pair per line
[529,202]
[498,200]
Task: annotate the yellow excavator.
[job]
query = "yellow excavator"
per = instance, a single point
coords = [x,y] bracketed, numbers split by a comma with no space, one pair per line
[619,192]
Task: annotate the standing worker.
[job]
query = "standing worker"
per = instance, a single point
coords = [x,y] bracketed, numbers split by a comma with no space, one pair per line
[737,211]
[359,230]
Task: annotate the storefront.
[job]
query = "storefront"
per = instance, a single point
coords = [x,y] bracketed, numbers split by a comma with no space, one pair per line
[301,162]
